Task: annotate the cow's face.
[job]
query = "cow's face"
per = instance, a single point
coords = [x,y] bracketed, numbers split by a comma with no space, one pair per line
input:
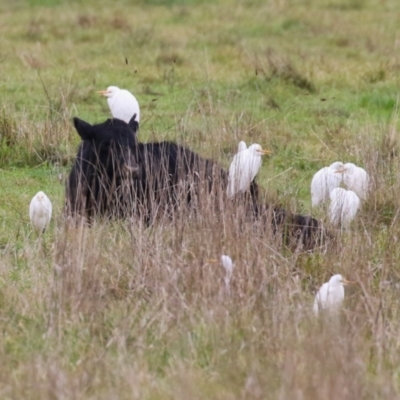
[112,145]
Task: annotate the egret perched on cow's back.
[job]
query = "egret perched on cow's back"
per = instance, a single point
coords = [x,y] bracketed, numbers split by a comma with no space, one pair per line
[330,295]
[122,103]
[40,210]
[344,206]
[244,168]
[324,181]
[356,179]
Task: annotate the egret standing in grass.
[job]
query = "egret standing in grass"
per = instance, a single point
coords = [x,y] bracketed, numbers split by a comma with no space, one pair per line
[122,103]
[244,168]
[242,146]
[356,179]
[330,295]
[343,208]
[324,181]
[40,210]
[228,265]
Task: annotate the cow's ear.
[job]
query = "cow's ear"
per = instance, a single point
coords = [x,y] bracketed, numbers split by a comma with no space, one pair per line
[83,128]
[134,125]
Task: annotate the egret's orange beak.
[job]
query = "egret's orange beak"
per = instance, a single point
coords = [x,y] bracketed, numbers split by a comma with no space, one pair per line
[340,171]
[103,92]
[346,282]
[265,151]
[212,261]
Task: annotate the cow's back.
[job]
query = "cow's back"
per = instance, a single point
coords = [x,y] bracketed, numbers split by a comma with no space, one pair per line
[170,175]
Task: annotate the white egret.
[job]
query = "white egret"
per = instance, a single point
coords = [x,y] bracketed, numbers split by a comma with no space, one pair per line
[324,181]
[330,295]
[40,210]
[242,146]
[356,179]
[343,208]
[122,103]
[244,168]
[228,265]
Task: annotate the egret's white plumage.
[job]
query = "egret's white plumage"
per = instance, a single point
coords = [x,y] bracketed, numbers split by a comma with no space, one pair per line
[242,146]
[356,179]
[324,181]
[227,263]
[343,208]
[330,295]
[40,210]
[244,168]
[122,103]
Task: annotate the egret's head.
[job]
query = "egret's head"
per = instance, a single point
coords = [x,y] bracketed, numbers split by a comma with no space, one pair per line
[258,150]
[337,167]
[338,280]
[350,168]
[110,91]
[242,146]
[226,262]
[337,193]
[40,196]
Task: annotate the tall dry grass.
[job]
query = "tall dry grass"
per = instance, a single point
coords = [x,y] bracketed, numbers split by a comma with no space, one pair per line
[123,310]
[27,141]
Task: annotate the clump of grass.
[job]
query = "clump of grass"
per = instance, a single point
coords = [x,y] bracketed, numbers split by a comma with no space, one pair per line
[7,128]
[280,67]
[29,142]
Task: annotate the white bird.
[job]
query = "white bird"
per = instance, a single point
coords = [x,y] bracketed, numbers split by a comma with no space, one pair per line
[330,295]
[40,210]
[228,265]
[356,179]
[242,146]
[343,208]
[122,103]
[324,181]
[244,168]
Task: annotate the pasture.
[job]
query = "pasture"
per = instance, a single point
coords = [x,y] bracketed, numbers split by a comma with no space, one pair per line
[127,311]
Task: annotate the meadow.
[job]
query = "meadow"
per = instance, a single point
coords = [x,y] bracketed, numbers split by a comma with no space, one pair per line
[124,311]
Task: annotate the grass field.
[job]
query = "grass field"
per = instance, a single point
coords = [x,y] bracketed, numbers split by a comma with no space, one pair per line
[122,311]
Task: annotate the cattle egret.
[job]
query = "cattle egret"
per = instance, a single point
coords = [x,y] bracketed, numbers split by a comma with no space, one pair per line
[40,211]
[343,208]
[324,181]
[330,295]
[242,146]
[122,103]
[228,265]
[244,168]
[356,179]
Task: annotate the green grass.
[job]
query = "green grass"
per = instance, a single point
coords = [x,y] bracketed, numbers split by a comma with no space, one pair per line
[122,311]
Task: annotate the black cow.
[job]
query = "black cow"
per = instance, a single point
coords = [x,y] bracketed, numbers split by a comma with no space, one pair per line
[104,167]
[115,176]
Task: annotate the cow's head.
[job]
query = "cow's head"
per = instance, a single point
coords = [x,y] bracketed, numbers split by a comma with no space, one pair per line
[111,146]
